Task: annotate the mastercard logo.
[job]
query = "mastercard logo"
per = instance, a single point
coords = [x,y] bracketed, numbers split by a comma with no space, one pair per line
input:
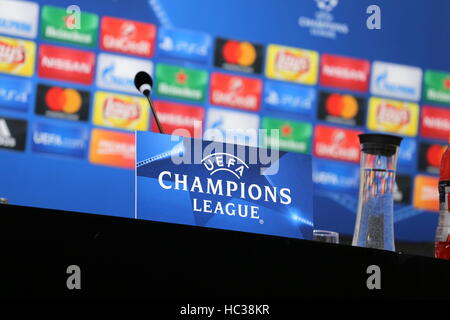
[434,155]
[63,100]
[344,106]
[241,53]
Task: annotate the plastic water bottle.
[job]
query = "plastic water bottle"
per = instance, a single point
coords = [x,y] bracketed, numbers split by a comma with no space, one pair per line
[442,240]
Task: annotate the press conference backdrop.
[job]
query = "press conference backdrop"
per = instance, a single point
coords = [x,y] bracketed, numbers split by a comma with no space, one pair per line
[310,68]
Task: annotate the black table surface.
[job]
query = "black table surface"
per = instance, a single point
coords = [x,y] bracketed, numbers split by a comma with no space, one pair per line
[127,258]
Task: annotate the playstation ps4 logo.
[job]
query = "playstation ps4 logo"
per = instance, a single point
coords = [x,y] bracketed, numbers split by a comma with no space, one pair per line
[220,161]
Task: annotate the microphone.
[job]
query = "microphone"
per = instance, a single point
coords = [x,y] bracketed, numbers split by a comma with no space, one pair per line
[144,83]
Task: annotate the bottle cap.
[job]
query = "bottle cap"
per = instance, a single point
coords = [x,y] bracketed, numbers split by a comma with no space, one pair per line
[379,144]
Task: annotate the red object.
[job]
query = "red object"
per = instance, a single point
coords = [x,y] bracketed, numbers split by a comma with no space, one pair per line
[333,105]
[434,155]
[442,248]
[66,64]
[55,99]
[231,51]
[435,123]
[174,116]
[127,36]
[235,91]
[336,143]
[345,73]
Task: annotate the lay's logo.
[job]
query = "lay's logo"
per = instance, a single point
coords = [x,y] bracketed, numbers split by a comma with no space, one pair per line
[393,116]
[292,64]
[120,111]
[17,56]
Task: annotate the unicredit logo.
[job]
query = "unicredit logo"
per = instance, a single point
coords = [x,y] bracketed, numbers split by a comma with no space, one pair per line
[390,114]
[11,54]
[235,96]
[119,109]
[124,43]
[336,149]
[286,61]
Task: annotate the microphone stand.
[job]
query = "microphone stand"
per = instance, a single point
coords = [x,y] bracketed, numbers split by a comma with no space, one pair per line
[154,113]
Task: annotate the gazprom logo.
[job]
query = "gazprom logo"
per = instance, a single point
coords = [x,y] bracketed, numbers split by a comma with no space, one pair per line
[216,162]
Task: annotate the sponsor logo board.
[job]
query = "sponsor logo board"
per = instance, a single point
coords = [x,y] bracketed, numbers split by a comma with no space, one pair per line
[59,25]
[435,123]
[120,111]
[60,139]
[396,81]
[174,116]
[426,194]
[338,176]
[184,45]
[180,82]
[19,18]
[117,73]
[13,133]
[62,103]
[437,86]
[111,148]
[393,116]
[239,56]
[402,189]
[15,93]
[66,64]
[292,64]
[127,36]
[341,108]
[289,97]
[430,156]
[336,143]
[231,127]
[344,73]
[17,57]
[236,92]
[292,136]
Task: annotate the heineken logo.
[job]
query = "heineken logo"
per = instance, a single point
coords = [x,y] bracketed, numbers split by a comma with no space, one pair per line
[184,83]
[447,84]
[216,162]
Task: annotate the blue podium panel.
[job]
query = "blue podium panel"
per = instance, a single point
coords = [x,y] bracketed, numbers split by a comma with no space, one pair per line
[226,186]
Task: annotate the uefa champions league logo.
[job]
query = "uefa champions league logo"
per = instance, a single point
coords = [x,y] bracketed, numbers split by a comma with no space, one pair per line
[327,5]
[323,23]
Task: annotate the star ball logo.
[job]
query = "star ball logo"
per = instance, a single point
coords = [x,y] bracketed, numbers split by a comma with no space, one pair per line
[240,56]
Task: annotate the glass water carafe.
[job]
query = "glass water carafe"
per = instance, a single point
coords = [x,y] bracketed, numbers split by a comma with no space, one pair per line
[374,227]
